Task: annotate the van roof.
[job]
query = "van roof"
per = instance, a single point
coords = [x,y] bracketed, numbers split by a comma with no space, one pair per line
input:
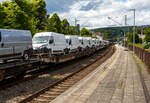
[47,34]
[69,36]
[14,30]
[88,38]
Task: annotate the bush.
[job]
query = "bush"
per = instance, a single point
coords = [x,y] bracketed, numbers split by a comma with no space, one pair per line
[147,46]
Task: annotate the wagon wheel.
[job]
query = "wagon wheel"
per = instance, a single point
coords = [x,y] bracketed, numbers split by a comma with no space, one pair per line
[26,56]
[2,75]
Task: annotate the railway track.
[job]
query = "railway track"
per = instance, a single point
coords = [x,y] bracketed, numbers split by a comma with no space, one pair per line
[33,72]
[50,92]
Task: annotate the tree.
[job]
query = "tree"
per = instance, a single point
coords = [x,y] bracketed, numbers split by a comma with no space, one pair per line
[65,26]
[2,15]
[85,32]
[108,34]
[147,34]
[39,11]
[55,23]
[137,39]
[35,9]
[72,30]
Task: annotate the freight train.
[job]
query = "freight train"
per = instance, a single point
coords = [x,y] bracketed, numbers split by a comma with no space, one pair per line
[45,47]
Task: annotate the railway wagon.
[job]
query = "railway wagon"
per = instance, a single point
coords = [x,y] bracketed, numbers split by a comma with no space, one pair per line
[15,44]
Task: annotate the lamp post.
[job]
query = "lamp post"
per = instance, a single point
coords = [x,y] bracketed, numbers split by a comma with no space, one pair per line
[76,25]
[133,30]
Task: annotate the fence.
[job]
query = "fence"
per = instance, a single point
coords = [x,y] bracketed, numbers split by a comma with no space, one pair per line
[142,54]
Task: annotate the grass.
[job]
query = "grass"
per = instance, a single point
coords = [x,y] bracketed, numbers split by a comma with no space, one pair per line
[138,45]
[148,50]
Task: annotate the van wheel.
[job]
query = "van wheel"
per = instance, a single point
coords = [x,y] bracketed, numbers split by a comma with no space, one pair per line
[2,74]
[26,56]
[4,61]
[66,51]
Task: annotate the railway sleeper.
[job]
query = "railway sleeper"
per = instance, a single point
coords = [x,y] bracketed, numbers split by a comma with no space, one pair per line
[41,100]
[47,97]
[52,93]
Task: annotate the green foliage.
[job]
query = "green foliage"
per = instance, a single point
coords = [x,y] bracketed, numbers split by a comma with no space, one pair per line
[32,15]
[85,32]
[147,46]
[147,34]
[137,39]
[23,14]
[55,24]
[65,27]
[72,30]
[107,34]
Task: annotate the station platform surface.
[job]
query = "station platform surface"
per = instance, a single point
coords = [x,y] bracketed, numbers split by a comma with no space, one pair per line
[123,78]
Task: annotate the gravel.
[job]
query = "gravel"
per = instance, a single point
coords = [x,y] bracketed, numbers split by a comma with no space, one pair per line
[22,90]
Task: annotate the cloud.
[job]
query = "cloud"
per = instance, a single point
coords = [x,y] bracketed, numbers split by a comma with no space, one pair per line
[58,5]
[91,5]
[95,13]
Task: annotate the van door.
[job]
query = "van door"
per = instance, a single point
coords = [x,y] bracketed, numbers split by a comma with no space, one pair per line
[5,50]
[1,45]
[51,43]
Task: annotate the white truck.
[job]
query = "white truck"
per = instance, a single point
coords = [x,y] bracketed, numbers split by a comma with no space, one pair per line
[54,43]
[15,44]
[73,43]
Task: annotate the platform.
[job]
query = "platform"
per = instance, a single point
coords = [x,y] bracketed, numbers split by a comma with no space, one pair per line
[123,78]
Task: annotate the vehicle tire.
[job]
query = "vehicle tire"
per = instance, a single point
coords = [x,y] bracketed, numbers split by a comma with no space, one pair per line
[66,51]
[2,75]
[4,61]
[26,56]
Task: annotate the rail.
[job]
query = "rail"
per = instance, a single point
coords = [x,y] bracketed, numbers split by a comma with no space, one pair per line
[63,84]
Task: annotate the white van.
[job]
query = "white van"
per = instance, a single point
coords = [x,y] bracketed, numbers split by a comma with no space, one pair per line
[89,39]
[55,43]
[73,43]
[83,42]
[14,44]
[94,42]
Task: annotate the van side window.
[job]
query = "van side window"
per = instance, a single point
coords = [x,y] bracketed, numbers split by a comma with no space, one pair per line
[51,40]
[70,42]
[0,37]
[89,42]
[82,41]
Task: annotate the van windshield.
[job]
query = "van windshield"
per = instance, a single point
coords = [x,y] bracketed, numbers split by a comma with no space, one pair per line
[40,39]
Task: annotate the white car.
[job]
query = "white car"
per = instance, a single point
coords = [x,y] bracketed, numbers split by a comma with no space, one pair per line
[73,43]
[54,43]
[14,44]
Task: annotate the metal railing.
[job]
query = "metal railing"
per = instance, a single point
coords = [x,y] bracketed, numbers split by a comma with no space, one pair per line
[142,54]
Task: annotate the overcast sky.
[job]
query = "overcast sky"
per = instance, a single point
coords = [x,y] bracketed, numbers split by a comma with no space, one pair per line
[95,13]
